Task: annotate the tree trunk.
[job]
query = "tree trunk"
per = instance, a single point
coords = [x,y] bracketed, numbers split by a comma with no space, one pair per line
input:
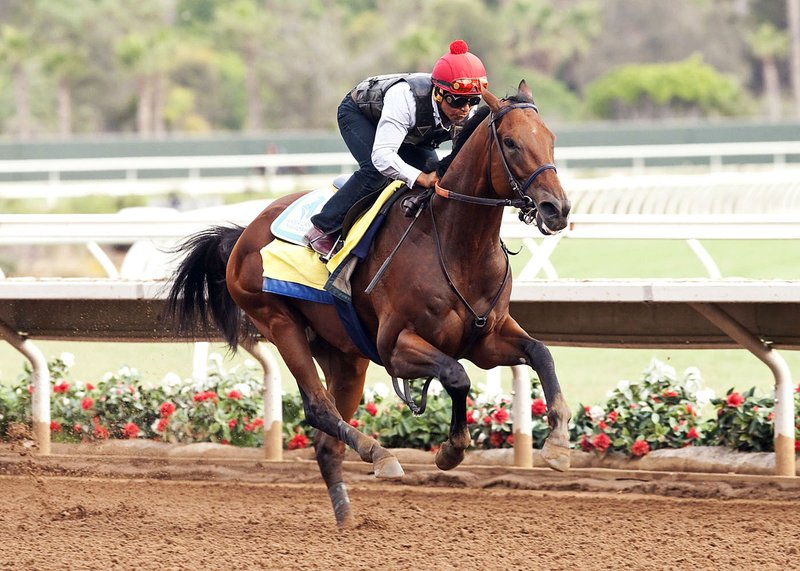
[253,95]
[22,102]
[144,111]
[793,7]
[772,88]
[159,98]
[64,109]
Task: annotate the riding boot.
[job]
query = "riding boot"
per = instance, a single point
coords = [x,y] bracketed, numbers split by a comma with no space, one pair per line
[320,242]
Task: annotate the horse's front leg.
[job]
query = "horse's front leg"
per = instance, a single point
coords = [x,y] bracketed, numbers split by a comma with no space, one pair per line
[511,345]
[414,358]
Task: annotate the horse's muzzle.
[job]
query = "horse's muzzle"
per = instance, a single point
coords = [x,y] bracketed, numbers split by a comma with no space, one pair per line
[552,215]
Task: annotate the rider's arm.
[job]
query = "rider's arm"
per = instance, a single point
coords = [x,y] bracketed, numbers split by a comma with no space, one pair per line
[397,119]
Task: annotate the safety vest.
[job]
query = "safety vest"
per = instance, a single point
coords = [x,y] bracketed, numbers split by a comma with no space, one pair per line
[369,95]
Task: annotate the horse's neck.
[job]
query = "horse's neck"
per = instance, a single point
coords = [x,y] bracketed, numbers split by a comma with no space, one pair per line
[468,229]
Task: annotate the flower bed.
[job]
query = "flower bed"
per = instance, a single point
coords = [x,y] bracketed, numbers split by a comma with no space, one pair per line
[655,412]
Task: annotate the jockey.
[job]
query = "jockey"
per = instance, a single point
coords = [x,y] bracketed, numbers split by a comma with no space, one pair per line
[392,124]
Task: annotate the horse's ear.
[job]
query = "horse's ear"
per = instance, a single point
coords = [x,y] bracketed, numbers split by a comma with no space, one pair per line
[491,100]
[524,91]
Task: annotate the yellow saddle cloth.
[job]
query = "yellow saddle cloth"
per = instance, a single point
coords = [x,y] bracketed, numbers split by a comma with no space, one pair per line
[285,263]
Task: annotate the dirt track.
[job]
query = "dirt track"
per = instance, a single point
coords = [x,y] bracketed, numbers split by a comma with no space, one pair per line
[134,513]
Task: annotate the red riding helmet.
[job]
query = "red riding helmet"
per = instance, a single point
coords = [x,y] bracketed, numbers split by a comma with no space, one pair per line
[460,72]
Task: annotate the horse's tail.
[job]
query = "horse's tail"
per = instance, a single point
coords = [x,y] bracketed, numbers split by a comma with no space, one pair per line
[199,296]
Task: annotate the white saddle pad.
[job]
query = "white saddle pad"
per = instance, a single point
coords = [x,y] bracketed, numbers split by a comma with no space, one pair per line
[295,221]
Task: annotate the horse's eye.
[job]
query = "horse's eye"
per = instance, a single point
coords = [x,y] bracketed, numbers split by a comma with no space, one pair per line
[509,143]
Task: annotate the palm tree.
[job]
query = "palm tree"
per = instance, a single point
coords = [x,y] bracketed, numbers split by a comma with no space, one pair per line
[793,14]
[769,45]
[16,49]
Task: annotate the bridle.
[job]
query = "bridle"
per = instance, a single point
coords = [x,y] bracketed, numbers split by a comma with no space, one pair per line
[527,214]
[527,208]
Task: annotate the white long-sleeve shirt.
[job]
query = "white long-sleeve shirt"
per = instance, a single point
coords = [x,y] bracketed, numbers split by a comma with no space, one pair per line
[398,117]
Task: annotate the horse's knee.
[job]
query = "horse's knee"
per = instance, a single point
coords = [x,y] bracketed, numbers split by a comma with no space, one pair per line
[454,378]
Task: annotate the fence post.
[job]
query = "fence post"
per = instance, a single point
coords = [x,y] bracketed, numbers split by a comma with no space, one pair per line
[521,416]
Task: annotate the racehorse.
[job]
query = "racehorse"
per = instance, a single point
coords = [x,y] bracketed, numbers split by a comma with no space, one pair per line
[444,296]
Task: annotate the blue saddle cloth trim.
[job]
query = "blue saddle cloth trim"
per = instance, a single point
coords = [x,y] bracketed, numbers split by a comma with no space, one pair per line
[297,291]
[352,323]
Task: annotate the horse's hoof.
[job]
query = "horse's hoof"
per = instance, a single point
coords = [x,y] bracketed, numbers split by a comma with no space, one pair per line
[555,456]
[347,522]
[388,468]
[448,456]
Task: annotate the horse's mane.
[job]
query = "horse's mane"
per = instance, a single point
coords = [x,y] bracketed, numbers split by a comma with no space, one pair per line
[469,128]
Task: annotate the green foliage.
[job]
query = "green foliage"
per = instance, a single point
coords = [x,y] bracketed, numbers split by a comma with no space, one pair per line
[687,88]
[226,407]
[745,421]
[656,410]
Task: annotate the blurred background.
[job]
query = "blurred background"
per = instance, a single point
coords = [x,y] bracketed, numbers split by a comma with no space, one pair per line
[84,80]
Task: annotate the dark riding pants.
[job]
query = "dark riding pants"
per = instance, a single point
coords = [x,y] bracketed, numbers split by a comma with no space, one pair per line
[359,136]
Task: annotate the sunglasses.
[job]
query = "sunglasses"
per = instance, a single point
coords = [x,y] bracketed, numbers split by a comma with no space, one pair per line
[459,102]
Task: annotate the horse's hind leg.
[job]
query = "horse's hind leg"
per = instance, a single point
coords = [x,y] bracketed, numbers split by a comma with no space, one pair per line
[345,379]
[285,328]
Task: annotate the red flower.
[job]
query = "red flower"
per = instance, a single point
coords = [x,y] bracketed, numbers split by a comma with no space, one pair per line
[234,395]
[586,444]
[601,442]
[602,425]
[89,387]
[258,422]
[166,409]
[692,434]
[87,403]
[670,393]
[771,416]
[204,396]
[354,423]
[55,426]
[496,439]
[298,441]
[470,417]
[735,400]
[612,416]
[61,387]
[76,428]
[690,410]
[797,445]
[232,423]
[30,389]
[640,448]
[371,408]
[162,424]
[538,408]
[100,432]
[500,416]
[510,440]
[130,430]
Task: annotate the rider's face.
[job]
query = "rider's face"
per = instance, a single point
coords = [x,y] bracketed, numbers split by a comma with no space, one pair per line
[456,115]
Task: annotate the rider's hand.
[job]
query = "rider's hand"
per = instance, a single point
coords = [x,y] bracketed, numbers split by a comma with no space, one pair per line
[426,179]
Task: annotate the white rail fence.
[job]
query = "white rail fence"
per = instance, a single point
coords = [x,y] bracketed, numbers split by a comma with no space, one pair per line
[281,172]
[150,231]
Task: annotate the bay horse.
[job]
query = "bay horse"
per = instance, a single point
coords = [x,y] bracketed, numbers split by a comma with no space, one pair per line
[444,297]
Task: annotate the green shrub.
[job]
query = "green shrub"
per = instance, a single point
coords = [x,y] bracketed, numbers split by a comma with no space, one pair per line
[656,412]
[688,88]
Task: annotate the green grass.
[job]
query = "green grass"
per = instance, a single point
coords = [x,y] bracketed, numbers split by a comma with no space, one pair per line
[586,374]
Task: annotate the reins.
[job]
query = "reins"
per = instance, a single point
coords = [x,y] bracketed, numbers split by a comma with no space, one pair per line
[527,214]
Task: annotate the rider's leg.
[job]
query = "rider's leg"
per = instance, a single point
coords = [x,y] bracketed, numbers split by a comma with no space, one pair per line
[359,135]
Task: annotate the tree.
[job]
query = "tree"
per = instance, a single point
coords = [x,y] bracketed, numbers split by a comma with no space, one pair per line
[16,54]
[246,27]
[793,14]
[769,44]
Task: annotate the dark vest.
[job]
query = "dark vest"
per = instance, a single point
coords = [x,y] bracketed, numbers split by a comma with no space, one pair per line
[369,95]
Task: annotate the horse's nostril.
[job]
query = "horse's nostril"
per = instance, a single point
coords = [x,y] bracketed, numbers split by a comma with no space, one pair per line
[548,210]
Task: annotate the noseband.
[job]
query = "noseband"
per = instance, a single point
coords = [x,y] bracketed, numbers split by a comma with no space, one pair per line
[527,208]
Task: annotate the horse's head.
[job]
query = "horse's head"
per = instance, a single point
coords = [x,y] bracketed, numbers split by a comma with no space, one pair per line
[522,166]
